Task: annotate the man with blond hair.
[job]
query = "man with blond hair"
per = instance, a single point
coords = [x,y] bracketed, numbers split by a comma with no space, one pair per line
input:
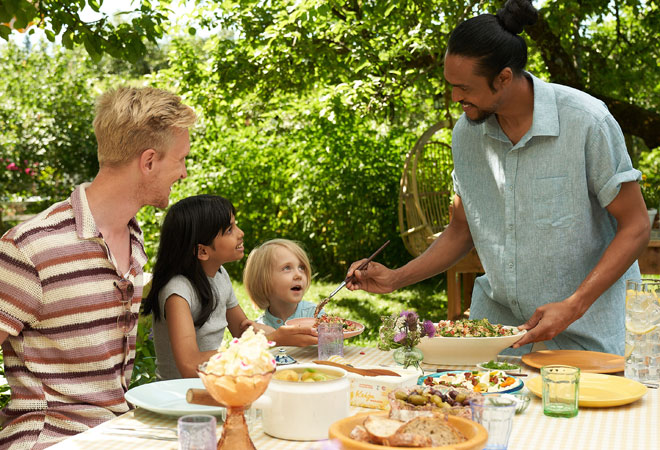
[71,277]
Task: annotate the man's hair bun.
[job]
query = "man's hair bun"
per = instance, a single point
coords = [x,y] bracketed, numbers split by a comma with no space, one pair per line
[516,14]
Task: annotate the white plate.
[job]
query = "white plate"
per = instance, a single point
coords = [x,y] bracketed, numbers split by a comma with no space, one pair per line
[516,386]
[465,351]
[169,398]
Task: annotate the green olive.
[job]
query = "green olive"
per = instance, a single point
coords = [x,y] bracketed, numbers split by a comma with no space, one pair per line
[460,398]
[401,395]
[417,399]
[437,400]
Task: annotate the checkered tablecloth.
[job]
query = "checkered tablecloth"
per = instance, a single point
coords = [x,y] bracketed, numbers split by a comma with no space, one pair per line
[633,426]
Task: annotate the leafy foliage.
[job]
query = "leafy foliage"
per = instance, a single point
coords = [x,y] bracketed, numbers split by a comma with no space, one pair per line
[125,40]
[47,144]
[649,164]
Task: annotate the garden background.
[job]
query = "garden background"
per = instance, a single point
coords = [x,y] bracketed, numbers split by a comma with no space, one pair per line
[307,111]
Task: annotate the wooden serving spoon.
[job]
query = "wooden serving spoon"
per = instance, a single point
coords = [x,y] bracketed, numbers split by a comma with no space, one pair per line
[365,372]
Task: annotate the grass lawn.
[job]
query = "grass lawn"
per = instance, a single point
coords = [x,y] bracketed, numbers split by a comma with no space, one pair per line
[429,299]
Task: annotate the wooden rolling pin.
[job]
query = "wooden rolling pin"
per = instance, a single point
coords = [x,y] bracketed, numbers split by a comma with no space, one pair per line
[201,397]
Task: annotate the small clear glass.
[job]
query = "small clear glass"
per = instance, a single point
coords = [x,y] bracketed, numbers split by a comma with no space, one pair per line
[561,389]
[197,432]
[331,340]
[495,412]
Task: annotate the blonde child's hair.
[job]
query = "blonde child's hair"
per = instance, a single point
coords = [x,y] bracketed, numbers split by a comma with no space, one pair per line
[257,276]
[130,120]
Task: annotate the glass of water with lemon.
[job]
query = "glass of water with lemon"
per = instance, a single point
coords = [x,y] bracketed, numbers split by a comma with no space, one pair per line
[643,330]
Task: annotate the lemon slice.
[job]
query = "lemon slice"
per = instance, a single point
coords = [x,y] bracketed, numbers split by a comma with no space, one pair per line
[634,329]
[629,350]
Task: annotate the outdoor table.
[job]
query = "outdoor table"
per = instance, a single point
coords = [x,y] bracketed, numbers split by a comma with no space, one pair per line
[633,426]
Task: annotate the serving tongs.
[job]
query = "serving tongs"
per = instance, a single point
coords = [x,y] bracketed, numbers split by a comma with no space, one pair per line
[362,266]
[365,372]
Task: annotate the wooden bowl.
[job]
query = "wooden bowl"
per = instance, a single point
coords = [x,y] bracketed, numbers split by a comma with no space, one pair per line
[475,433]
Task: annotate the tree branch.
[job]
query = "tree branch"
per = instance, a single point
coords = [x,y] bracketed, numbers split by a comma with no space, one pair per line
[633,119]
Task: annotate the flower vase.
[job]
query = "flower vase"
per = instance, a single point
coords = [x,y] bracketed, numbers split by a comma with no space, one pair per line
[408,356]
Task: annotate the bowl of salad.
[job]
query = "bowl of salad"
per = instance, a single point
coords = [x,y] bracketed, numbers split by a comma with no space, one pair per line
[350,327]
[467,342]
[499,365]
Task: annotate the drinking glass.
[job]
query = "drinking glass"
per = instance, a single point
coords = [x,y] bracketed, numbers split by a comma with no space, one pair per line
[331,340]
[495,412]
[642,354]
[197,432]
[561,386]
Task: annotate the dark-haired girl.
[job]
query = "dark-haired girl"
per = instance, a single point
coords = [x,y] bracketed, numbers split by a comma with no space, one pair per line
[191,297]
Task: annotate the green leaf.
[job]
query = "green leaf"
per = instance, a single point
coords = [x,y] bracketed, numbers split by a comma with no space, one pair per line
[67,39]
[192,31]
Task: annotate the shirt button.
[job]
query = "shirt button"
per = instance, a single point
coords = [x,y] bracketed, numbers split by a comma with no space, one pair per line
[279,321]
[511,188]
[510,265]
[510,226]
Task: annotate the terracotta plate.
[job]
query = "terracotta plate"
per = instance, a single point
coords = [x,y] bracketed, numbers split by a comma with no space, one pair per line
[309,322]
[474,432]
[586,361]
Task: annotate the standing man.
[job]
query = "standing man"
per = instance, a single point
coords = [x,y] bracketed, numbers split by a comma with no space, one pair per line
[545,191]
[71,278]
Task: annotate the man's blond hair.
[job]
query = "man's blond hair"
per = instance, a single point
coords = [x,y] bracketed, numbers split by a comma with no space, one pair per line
[258,273]
[130,120]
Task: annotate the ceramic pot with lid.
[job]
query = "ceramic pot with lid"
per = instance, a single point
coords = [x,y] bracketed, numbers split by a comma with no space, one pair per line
[304,411]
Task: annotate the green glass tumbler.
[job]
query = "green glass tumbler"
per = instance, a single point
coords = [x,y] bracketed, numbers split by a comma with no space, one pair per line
[561,388]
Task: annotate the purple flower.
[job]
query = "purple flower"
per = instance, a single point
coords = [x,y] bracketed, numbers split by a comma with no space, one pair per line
[12,166]
[412,320]
[407,314]
[399,337]
[429,328]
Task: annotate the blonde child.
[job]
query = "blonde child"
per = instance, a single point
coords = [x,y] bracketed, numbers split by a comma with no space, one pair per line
[277,275]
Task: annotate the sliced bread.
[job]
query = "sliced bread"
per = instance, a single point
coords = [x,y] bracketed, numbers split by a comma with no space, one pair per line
[437,429]
[359,433]
[381,427]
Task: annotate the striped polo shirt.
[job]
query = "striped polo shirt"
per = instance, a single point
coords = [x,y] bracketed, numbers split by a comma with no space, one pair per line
[58,302]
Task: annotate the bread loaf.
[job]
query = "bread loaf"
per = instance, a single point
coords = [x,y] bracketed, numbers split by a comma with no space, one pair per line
[381,427]
[436,429]
[419,432]
[359,433]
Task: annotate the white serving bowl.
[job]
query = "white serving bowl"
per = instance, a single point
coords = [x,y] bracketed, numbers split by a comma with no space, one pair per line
[299,411]
[465,351]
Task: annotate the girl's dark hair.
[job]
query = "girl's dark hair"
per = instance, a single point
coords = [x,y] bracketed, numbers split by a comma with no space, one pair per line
[493,39]
[190,222]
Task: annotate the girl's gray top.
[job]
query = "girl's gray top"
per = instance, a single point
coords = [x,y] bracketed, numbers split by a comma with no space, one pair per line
[209,335]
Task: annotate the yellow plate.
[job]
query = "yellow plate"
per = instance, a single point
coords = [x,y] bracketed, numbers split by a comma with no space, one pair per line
[474,432]
[599,391]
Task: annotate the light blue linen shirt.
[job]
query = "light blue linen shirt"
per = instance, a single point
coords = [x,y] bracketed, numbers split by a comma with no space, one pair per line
[304,309]
[536,212]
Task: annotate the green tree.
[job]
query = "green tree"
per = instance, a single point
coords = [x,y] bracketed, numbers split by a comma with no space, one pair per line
[386,55]
[62,18]
[46,107]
